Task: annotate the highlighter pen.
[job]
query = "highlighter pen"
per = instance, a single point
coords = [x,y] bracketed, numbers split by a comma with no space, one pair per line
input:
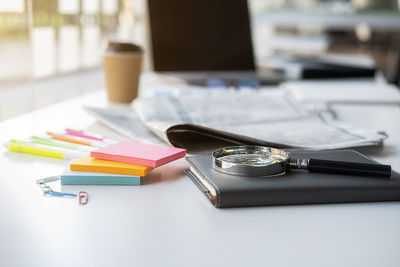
[28,148]
[75,153]
[76,140]
[56,143]
[91,136]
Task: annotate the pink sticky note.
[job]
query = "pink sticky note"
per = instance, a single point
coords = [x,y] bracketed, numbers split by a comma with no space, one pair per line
[139,153]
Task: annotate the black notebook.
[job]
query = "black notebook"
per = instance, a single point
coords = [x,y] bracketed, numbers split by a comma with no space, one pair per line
[294,187]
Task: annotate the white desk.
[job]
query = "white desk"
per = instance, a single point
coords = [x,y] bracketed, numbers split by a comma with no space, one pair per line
[170,223]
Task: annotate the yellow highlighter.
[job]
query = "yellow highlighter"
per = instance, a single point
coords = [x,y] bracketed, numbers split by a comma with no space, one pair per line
[29,148]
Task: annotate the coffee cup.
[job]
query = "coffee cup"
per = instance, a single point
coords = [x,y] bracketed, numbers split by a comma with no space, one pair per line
[122,64]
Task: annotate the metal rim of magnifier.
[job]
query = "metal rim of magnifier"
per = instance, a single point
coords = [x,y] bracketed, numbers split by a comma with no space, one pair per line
[240,169]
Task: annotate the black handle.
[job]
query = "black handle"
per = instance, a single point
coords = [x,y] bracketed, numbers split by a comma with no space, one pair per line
[350,168]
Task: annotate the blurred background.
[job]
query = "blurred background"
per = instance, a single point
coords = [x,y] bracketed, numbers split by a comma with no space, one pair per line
[52,50]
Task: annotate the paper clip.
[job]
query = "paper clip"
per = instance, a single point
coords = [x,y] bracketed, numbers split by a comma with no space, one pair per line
[48,179]
[83,197]
[47,191]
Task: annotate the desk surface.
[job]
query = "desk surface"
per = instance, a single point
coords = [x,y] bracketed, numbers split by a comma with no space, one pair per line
[168,222]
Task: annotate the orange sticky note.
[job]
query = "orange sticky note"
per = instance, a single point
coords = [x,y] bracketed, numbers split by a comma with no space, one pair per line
[89,164]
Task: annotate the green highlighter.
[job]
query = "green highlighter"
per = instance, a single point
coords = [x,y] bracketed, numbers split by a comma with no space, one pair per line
[55,143]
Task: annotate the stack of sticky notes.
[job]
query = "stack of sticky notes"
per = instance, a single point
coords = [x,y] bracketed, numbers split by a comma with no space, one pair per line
[124,163]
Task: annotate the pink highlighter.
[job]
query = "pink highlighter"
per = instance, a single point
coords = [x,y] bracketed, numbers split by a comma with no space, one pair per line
[90,136]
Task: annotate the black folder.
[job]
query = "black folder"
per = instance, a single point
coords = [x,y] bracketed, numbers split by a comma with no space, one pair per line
[294,187]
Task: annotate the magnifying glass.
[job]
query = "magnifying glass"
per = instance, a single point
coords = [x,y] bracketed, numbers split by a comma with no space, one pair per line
[267,161]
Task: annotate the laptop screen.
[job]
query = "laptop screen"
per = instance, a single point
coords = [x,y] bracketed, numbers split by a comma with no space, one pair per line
[205,35]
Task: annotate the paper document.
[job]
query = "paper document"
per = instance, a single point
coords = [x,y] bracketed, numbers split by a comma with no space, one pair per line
[247,116]
[125,122]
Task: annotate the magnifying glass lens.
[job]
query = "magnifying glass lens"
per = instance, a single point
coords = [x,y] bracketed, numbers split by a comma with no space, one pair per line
[252,159]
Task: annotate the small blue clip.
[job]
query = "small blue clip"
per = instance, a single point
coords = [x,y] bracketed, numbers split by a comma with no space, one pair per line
[59,194]
[47,191]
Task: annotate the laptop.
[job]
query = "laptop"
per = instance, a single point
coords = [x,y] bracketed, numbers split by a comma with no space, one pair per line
[200,41]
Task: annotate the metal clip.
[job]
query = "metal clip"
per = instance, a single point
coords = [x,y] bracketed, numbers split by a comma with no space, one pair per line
[47,191]
[48,179]
[45,188]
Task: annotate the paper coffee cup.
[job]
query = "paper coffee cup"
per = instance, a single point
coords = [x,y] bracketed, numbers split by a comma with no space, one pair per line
[122,64]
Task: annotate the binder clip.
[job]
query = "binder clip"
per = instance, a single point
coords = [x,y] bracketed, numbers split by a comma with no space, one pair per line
[83,197]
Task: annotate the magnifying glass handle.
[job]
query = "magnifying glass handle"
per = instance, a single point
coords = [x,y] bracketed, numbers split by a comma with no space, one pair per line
[349,168]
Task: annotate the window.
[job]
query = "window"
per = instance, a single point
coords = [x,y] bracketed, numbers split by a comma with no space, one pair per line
[41,38]
[58,44]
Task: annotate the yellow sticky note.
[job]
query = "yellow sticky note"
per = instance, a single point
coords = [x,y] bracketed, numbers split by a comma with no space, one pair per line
[89,164]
